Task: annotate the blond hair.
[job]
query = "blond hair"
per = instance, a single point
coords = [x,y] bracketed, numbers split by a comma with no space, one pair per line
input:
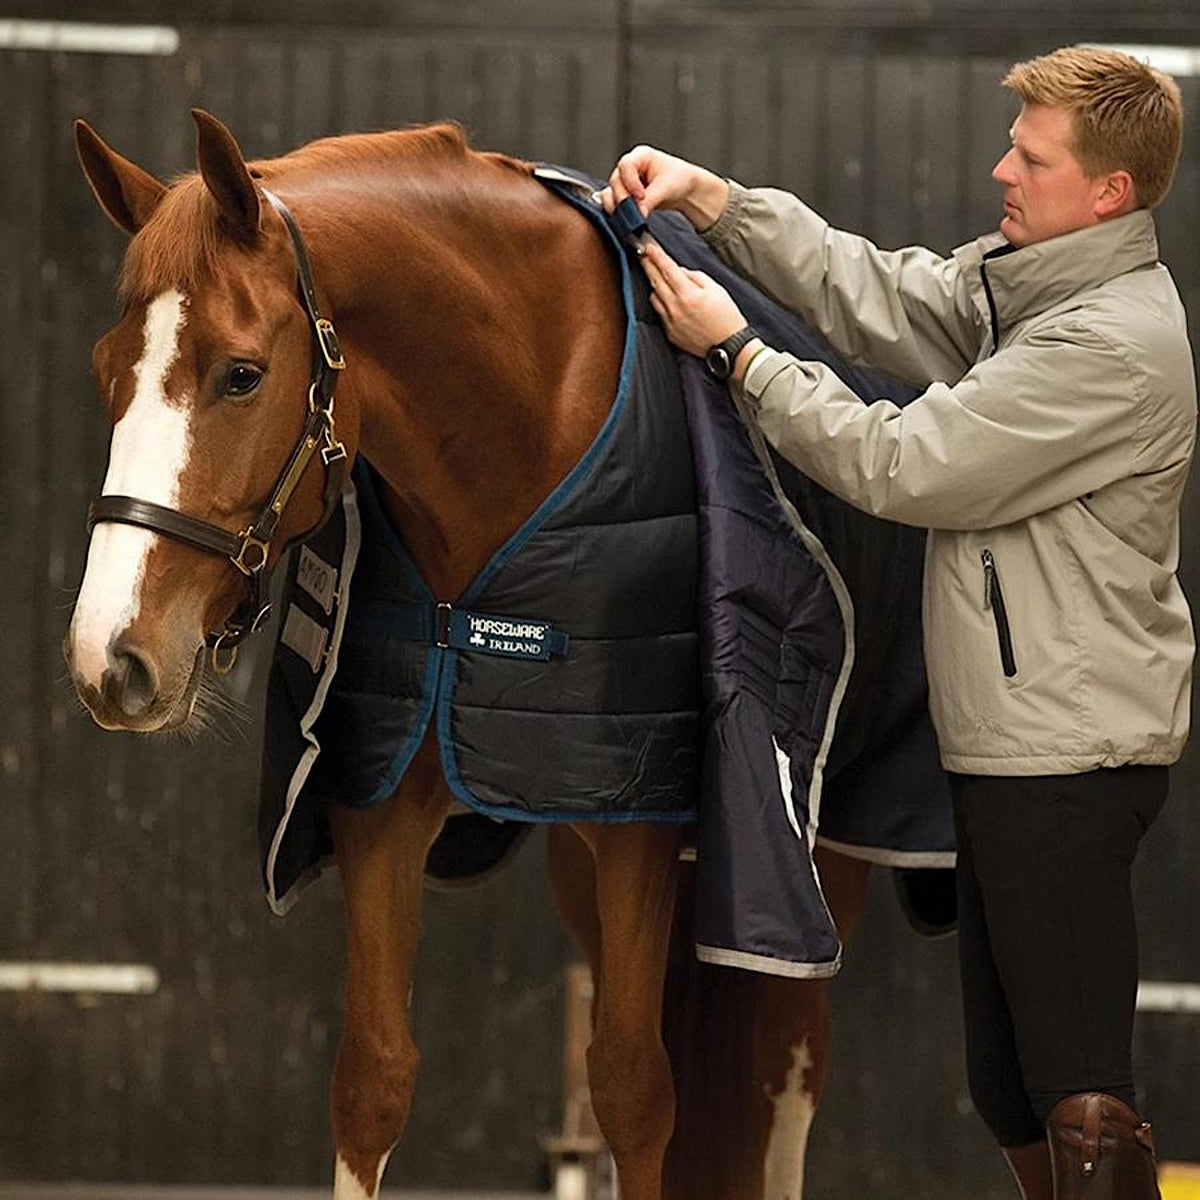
[1126,114]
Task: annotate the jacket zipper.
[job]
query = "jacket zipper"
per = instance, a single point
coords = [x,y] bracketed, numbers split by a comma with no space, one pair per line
[987,291]
[993,598]
[991,256]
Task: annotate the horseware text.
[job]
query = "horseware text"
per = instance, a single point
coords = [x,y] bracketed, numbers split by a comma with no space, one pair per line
[507,637]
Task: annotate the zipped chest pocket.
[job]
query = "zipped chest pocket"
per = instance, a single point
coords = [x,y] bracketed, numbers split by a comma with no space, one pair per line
[993,598]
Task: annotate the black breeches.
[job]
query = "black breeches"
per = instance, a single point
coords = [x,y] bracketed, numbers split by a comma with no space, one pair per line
[1047,940]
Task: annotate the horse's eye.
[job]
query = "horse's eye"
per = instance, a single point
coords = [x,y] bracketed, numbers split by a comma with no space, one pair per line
[242,379]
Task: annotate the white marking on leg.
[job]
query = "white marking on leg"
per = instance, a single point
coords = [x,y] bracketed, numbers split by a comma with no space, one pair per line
[347,1185]
[783,1171]
[148,454]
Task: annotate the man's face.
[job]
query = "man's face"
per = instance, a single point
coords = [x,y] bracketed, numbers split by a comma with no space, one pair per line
[1046,191]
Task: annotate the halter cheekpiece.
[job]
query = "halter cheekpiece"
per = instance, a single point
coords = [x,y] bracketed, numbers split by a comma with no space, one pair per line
[249,549]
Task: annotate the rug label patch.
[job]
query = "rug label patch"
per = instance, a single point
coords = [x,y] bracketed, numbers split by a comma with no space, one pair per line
[510,637]
[303,635]
[317,578]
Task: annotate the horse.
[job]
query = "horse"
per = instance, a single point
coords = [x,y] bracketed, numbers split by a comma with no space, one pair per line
[703,1079]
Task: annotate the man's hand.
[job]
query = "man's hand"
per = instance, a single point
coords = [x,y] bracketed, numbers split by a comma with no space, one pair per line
[656,179]
[696,310]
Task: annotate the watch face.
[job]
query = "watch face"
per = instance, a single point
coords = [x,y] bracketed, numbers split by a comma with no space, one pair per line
[718,362]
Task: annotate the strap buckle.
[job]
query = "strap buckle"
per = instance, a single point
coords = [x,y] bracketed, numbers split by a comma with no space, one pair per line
[249,543]
[442,617]
[331,348]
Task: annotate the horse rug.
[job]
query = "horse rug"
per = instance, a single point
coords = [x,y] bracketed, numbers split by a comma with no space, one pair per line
[686,629]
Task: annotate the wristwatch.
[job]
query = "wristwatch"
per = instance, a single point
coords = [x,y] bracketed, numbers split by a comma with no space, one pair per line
[719,359]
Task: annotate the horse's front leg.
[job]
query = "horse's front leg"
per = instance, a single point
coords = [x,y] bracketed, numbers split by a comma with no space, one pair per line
[636,868]
[381,857]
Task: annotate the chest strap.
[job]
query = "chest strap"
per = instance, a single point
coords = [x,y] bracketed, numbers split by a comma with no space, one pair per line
[463,629]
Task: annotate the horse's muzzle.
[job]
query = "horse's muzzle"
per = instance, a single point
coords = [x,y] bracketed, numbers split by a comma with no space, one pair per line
[129,694]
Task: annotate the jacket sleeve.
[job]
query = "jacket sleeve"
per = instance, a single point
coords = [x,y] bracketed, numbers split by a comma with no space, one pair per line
[907,312]
[1030,428]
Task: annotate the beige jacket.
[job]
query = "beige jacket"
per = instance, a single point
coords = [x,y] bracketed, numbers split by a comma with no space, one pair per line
[1047,457]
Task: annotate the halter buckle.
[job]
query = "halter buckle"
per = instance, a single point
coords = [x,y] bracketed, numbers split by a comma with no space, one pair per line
[250,542]
[332,451]
[326,410]
[331,348]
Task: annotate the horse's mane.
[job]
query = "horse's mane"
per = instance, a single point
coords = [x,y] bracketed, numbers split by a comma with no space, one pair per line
[181,242]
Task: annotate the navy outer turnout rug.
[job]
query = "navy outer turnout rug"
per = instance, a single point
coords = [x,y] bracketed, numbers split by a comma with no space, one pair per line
[687,629]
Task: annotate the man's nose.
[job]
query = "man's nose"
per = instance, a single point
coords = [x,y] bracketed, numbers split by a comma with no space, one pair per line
[1002,172]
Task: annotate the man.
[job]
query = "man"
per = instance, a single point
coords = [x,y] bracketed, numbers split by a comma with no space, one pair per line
[1047,457]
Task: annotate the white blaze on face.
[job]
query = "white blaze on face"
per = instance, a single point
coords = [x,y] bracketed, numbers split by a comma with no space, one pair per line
[783,1174]
[146,459]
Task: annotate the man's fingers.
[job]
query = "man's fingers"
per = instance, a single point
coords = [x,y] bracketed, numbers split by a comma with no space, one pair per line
[624,181]
[657,280]
[629,170]
[667,268]
[665,278]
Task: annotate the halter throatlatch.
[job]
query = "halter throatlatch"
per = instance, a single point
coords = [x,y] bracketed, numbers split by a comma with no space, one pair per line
[248,550]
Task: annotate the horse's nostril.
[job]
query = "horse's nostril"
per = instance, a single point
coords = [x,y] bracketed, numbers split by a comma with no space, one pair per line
[131,682]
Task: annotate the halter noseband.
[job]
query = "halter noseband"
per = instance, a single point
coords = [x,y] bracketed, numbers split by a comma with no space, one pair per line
[249,549]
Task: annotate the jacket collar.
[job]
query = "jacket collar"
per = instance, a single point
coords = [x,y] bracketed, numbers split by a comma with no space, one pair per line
[1030,280]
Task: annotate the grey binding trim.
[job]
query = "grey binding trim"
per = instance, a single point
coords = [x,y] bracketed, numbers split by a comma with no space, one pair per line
[557,175]
[884,856]
[841,593]
[281,904]
[765,965]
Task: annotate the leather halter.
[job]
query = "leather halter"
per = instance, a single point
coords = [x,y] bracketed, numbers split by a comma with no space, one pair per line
[249,549]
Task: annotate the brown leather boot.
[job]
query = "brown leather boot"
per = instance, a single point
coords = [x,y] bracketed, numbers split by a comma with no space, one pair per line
[1031,1166]
[1101,1150]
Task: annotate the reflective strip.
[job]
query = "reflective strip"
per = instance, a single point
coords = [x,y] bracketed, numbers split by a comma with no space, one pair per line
[122,978]
[87,38]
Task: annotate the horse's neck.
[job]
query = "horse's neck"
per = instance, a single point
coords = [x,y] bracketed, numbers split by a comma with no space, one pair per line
[484,334]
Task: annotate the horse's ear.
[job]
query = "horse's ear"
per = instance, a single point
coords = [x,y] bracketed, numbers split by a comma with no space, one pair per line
[226,175]
[126,193]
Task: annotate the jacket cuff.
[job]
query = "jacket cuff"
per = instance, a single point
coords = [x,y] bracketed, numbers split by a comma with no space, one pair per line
[721,232]
[763,368]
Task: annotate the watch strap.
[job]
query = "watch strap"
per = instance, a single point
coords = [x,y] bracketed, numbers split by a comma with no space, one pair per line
[729,350]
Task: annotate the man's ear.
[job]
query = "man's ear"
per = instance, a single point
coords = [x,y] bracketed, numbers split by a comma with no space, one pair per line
[1118,195]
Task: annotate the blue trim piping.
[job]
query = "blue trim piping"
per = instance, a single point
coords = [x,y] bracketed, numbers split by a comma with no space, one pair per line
[557,498]
[401,762]
[512,812]
[442,668]
[541,514]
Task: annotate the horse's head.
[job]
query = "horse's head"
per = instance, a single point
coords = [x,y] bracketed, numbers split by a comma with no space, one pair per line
[206,380]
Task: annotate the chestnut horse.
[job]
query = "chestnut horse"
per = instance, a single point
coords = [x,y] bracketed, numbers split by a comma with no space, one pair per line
[471,389]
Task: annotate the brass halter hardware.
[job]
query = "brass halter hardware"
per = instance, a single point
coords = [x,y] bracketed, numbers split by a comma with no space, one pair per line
[249,549]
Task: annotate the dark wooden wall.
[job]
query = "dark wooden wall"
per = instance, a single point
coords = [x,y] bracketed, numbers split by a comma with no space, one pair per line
[886,115]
